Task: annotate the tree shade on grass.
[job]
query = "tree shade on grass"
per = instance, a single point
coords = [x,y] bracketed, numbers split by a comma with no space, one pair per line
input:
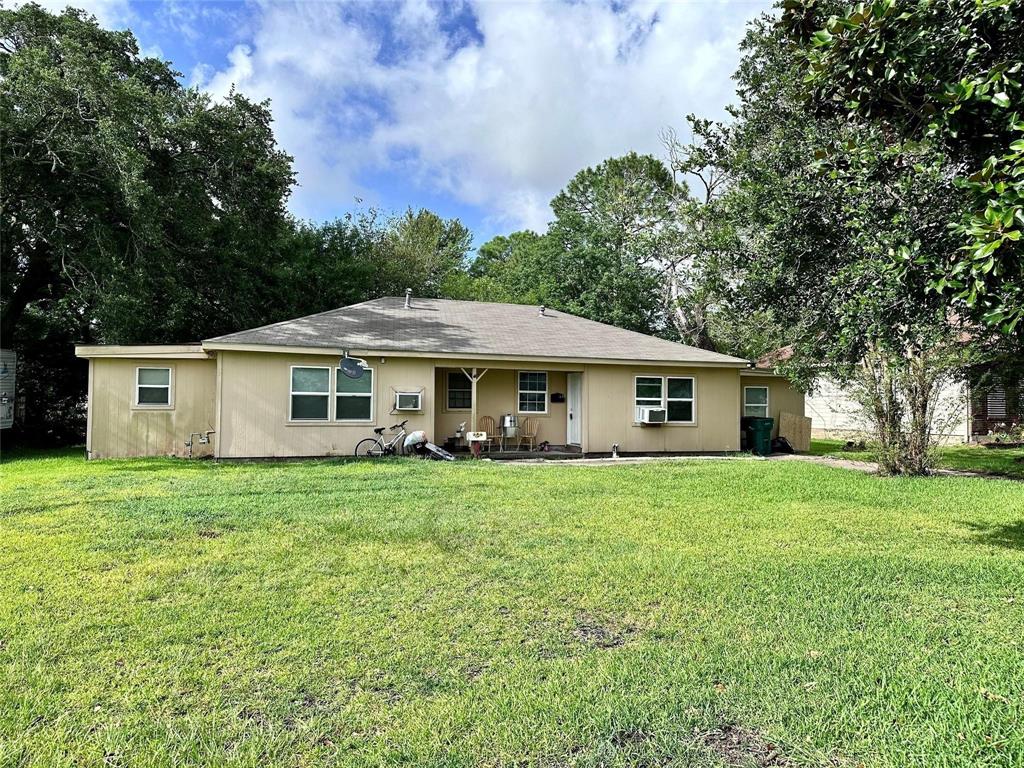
[1008,462]
[157,613]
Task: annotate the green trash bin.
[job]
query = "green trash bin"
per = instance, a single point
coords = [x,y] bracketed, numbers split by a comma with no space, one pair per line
[758,431]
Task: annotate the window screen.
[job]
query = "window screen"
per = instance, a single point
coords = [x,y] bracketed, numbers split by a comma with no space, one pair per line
[679,399]
[755,401]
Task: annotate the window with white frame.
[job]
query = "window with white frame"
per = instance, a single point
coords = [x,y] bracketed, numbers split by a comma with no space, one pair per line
[647,393]
[533,392]
[673,393]
[153,387]
[679,399]
[354,397]
[310,393]
[755,401]
[460,391]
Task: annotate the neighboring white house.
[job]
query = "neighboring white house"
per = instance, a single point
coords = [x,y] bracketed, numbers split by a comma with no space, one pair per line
[834,413]
[8,364]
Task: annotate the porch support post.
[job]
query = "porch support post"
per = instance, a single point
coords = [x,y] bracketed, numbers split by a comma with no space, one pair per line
[473,377]
[472,402]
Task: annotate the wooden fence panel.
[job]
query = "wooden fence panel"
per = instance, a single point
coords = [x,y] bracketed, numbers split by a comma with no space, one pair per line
[796,429]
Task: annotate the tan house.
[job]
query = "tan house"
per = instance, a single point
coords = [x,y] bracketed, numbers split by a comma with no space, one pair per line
[278,391]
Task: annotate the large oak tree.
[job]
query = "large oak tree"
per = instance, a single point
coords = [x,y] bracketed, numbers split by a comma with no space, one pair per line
[143,205]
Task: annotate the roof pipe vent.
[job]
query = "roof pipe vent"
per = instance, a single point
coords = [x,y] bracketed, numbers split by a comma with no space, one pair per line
[542,308]
[408,297]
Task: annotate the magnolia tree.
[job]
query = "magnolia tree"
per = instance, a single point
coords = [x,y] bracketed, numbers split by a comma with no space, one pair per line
[935,89]
[946,76]
[830,234]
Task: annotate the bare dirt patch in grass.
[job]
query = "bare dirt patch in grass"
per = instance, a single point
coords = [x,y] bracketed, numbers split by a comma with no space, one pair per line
[598,632]
[742,747]
[474,671]
[630,738]
[305,707]
[253,716]
[386,692]
[558,637]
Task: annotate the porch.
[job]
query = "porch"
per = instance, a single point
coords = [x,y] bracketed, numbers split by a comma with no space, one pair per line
[496,454]
[544,402]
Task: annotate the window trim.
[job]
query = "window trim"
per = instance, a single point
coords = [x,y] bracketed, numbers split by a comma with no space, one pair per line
[663,403]
[169,405]
[767,400]
[372,395]
[520,390]
[650,403]
[692,400]
[448,389]
[292,393]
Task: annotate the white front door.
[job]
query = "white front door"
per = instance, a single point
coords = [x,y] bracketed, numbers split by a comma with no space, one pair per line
[574,424]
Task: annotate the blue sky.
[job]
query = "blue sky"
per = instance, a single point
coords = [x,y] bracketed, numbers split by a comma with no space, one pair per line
[480,110]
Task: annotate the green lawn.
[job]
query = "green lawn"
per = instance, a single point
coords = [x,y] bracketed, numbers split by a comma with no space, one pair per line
[972,458]
[165,613]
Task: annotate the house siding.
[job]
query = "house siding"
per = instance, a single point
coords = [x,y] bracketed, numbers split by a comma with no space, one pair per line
[783,397]
[255,392]
[244,396]
[609,415]
[117,428]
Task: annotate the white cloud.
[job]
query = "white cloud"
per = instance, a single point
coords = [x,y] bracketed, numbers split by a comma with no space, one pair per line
[308,59]
[112,14]
[501,124]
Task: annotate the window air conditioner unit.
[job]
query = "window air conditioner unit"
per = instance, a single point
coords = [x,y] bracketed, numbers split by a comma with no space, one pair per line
[408,401]
[652,415]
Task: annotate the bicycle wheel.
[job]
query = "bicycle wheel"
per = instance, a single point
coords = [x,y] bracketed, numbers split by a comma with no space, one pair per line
[369,448]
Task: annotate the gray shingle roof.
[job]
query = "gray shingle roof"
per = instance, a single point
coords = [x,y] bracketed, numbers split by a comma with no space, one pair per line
[450,327]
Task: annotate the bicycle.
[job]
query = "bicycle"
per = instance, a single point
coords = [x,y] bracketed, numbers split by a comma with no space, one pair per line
[375,447]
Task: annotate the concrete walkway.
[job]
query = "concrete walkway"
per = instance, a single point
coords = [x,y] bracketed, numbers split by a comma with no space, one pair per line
[872,467]
[868,467]
[607,461]
[828,461]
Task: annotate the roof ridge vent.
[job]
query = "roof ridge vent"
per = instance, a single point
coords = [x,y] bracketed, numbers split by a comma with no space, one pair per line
[408,297]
